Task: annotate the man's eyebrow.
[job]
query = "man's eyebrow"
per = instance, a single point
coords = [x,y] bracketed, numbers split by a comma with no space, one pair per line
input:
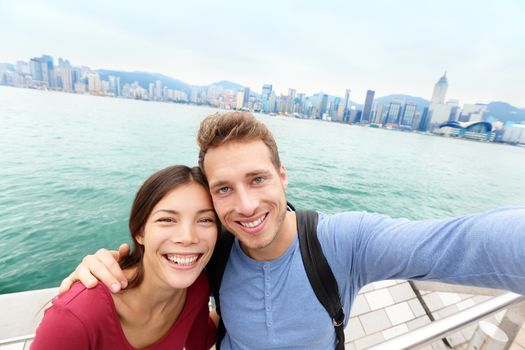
[254,173]
[258,173]
[218,184]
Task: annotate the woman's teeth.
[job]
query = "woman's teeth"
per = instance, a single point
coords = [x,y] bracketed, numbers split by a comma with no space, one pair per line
[183,260]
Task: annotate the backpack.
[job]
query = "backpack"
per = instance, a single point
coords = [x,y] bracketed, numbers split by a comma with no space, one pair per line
[317,269]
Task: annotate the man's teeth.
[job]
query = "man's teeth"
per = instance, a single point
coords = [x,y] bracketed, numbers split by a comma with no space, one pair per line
[253,223]
[184,261]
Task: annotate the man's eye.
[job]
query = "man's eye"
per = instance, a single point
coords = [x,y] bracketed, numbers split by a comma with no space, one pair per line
[258,180]
[224,189]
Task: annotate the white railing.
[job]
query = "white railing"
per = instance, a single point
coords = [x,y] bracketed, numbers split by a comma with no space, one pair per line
[446,326]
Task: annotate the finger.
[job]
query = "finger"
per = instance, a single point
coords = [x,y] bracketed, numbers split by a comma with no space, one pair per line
[107,258]
[92,268]
[123,251]
[65,285]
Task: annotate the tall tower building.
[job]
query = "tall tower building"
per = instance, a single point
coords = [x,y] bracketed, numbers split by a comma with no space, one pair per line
[35,66]
[265,97]
[246,97]
[365,117]
[49,68]
[440,90]
[323,104]
[158,89]
[394,111]
[290,100]
[408,114]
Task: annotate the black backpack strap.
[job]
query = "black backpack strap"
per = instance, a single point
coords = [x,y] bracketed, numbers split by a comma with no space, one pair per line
[319,272]
[215,270]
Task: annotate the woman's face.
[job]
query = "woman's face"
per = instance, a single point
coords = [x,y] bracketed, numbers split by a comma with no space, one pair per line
[179,237]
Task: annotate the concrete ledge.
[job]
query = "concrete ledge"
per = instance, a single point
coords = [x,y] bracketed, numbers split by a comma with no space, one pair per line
[22,312]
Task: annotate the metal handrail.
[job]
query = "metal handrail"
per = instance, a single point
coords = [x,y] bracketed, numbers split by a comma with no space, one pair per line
[446,326]
[15,340]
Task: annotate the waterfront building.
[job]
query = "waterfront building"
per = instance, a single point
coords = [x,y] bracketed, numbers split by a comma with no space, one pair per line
[439,113]
[481,131]
[239,100]
[440,90]
[246,99]
[49,77]
[394,112]
[342,111]
[472,112]
[424,121]
[379,111]
[323,104]
[299,103]
[265,98]
[272,102]
[454,110]
[158,90]
[66,77]
[94,83]
[37,69]
[335,108]
[408,115]
[80,87]
[367,109]
[151,90]
[22,68]
[513,133]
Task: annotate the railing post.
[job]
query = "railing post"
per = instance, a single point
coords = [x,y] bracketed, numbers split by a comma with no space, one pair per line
[488,337]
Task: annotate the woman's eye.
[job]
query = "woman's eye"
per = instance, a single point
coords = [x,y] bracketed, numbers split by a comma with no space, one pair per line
[206,220]
[168,220]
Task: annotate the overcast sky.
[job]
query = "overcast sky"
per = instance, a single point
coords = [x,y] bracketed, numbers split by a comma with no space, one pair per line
[387,46]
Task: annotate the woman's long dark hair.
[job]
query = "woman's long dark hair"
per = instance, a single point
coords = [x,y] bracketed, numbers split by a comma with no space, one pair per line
[150,193]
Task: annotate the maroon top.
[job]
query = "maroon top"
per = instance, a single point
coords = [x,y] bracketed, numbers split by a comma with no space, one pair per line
[87,319]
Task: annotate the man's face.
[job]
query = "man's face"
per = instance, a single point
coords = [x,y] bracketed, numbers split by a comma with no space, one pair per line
[248,193]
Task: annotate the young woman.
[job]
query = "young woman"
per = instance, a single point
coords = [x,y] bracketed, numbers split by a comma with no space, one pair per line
[173,228]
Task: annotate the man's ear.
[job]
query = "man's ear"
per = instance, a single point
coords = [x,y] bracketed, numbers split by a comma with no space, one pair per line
[283,175]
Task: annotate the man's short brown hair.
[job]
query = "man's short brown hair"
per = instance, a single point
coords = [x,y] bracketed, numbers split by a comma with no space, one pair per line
[220,128]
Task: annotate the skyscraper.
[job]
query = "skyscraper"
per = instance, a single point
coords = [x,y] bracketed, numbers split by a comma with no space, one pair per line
[409,113]
[246,99]
[158,89]
[440,90]
[323,104]
[394,112]
[265,97]
[35,66]
[49,77]
[365,117]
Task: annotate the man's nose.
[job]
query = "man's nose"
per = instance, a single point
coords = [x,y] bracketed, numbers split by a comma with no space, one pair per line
[246,202]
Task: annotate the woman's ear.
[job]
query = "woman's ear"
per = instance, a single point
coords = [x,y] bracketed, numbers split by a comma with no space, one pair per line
[140,237]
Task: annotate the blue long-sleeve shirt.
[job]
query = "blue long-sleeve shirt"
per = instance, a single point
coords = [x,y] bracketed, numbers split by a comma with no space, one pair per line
[271,305]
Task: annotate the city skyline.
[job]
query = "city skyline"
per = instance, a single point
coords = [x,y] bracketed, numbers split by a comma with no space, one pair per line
[325,47]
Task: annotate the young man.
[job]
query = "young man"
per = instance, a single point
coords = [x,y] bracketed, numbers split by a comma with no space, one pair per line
[266,299]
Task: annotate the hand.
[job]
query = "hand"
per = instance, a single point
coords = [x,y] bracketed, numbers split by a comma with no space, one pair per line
[103,265]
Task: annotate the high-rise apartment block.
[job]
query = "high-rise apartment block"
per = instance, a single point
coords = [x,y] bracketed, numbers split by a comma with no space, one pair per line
[367,109]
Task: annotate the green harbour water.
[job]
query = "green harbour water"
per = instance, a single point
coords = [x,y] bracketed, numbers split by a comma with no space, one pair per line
[70,166]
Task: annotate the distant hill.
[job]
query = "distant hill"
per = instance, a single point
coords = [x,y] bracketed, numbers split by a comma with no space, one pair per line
[505,112]
[144,79]
[225,84]
[420,102]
